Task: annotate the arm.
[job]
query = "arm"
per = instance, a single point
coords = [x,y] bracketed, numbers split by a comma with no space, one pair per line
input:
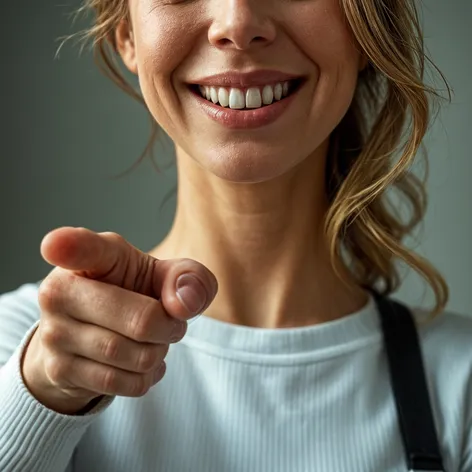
[32,437]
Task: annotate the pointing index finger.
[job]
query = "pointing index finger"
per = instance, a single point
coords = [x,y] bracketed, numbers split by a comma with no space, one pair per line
[105,256]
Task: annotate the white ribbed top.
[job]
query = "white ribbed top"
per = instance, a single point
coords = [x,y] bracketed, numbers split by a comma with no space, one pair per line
[240,399]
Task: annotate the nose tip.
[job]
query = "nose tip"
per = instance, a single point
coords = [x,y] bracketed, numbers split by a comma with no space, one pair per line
[242,25]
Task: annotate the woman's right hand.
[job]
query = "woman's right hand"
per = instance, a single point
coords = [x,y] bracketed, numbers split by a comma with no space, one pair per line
[108,315]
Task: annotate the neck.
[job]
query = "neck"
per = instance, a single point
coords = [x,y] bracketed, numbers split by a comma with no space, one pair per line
[265,244]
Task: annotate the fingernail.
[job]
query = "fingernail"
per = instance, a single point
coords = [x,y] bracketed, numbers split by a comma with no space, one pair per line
[191,292]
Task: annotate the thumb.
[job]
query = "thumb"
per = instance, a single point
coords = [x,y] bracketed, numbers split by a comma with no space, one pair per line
[108,257]
[188,287]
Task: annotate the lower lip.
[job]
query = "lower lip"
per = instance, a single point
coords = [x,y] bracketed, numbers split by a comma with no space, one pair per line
[246,119]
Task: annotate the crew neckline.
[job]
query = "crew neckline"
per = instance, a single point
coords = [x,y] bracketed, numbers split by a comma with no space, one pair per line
[355,329]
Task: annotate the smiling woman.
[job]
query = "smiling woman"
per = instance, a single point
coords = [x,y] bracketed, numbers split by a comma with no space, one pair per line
[292,121]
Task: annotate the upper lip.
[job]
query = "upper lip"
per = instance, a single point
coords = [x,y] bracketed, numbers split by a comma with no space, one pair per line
[246,79]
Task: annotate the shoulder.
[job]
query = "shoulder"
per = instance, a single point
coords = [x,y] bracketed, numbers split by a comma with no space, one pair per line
[446,341]
[446,345]
[447,334]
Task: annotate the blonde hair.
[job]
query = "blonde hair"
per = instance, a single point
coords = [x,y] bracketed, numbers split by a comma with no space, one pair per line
[371,150]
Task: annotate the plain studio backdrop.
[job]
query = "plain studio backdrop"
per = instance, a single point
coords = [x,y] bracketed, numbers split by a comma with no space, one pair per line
[66,131]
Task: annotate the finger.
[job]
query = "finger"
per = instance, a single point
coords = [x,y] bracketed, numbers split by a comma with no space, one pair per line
[188,288]
[101,345]
[108,257]
[104,256]
[79,372]
[133,315]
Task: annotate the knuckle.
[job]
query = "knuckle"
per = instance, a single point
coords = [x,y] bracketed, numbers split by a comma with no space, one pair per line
[50,293]
[141,322]
[190,262]
[140,386]
[147,358]
[114,237]
[53,289]
[50,333]
[56,369]
[109,381]
[194,266]
[110,348]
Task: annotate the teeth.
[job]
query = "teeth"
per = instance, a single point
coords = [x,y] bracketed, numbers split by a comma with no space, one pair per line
[278,90]
[255,97]
[223,97]
[285,88]
[214,94]
[267,95]
[236,99]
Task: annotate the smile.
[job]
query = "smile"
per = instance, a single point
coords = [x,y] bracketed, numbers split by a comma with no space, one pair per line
[248,98]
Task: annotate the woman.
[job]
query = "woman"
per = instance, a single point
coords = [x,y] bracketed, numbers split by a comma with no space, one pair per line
[292,121]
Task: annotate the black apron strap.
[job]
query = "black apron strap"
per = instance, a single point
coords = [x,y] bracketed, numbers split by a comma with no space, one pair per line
[409,386]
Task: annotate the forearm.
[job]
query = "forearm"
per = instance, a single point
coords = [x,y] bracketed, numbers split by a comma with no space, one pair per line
[33,437]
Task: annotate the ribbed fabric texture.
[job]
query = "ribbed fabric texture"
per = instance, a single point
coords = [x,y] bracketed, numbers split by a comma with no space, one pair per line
[239,399]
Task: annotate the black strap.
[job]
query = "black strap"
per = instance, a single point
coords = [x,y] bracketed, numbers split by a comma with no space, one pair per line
[409,386]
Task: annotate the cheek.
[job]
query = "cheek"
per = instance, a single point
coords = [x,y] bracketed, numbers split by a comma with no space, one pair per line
[326,40]
[160,42]
[161,47]
[323,33]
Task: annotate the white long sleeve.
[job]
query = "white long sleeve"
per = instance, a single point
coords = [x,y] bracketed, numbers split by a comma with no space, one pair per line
[239,399]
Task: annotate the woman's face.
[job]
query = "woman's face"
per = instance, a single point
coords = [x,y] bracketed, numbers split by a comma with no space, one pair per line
[174,43]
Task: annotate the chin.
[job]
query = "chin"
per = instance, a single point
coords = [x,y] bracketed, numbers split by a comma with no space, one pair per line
[246,168]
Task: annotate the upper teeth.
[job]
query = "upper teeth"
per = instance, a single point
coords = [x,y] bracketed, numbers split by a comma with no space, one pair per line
[254,97]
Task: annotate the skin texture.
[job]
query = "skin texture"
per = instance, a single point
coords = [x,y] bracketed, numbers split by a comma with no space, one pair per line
[250,203]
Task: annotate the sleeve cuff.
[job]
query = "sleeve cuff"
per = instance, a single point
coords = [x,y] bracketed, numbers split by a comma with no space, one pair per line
[33,437]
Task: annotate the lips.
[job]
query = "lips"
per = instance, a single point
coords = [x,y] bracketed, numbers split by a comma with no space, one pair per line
[247,118]
[246,80]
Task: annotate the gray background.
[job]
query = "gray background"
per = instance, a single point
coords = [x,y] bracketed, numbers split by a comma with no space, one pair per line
[66,131]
